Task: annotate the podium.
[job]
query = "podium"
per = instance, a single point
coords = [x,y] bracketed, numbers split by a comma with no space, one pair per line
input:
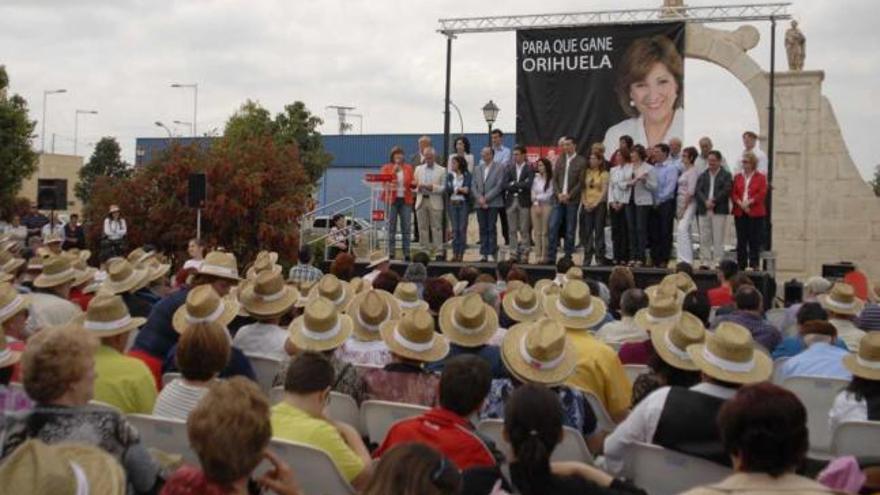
[378,184]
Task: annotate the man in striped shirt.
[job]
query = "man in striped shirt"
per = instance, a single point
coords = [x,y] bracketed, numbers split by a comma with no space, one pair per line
[303,271]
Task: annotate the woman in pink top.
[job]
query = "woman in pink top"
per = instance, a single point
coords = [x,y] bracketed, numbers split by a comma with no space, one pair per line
[686,207]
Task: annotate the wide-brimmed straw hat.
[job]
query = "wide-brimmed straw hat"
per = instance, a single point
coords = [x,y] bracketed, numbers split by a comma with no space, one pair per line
[413,337]
[156,269]
[671,343]
[841,300]
[123,277]
[331,288]
[8,357]
[574,307]
[467,320]
[268,295]
[82,254]
[11,303]
[5,277]
[220,264]
[359,285]
[84,273]
[321,327]
[547,287]
[62,468]
[113,209]
[662,312]
[107,316]
[538,352]
[140,255]
[377,258]
[681,281]
[265,261]
[203,304]
[729,355]
[53,238]
[407,295]
[369,310]
[523,303]
[305,289]
[458,286]
[56,271]
[865,364]
[9,263]
[573,273]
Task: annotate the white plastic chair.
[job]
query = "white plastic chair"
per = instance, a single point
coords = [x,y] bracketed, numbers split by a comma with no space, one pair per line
[603,418]
[170,377]
[777,367]
[166,434]
[571,448]
[276,394]
[818,395]
[377,416]
[343,407]
[266,368]
[667,472]
[634,370]
[857,438]
[775,317]
[315,472]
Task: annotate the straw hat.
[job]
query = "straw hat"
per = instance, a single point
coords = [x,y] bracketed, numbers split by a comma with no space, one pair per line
[359,285]
[321,327]
[35,467]
[574,273]
[671,343]
[522,304]
[56,271]
[204,304]
[113,208]
[682,283]
[5,277]
[305,289]
[107,316]
[84,273]
[331,288]
[123,277]
[35,263]
[841,300]
[368,310]
[413,337]
[82,254]
[407,295]
[220,264]
[139,256]
[467,320]
[9,263]
[458,286]
[377,258]
[267,295]
[663,312]
[538,352]
[729,355]
[575,307]
[11,303]
[264,261]
[546,287]
[865,364]
[156,269]
[53,238]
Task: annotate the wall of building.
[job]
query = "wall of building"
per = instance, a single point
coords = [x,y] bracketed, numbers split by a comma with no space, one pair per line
[52,166]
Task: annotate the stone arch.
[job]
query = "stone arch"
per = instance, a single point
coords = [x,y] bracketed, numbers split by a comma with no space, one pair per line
[823,211]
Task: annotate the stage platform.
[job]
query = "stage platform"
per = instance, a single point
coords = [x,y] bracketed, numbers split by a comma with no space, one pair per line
[645,277]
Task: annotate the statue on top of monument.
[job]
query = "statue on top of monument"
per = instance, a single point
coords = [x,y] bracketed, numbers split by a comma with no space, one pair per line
[795,47]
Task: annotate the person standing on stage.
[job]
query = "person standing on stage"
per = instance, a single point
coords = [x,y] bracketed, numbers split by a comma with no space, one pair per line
[663,214]
[713,207]
[504,157]
[458,187]
[748,194]
[643,182]
[430,184]
[462,148]
[518,188]
[594,204]
[543,199]
[488,192]
[398,196]
[750,144]
[568,180]
[619,194]
[686,206]
[419,158]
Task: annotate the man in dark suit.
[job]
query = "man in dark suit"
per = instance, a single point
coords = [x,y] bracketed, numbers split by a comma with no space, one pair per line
[713,208]
[488,182]
[518,187]
[568,182]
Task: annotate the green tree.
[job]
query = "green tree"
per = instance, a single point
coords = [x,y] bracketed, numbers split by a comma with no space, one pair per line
[875,183]
[18,161]
[106,161]
[295,125]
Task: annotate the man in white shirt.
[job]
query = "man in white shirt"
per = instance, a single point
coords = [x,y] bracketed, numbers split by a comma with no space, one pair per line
[702,161]
[750,143]
[626,329]
[568,180]
[430,183]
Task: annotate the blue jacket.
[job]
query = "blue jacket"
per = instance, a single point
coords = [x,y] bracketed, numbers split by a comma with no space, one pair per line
[157,335]
[794,345]
[468,183]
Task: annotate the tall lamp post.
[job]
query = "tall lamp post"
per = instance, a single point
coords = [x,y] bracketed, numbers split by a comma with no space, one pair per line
[490,113]
[46,93]
[195,88]
[187,124]
[76,126]
[163,126]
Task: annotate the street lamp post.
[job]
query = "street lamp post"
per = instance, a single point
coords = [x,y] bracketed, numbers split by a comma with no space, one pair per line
[46,93]
[187,124]
[195,88]
[460,120]
[163,126]
[490,113]
[76,126]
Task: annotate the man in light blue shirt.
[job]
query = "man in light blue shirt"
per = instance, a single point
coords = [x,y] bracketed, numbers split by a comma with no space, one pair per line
[821,359]
[663,213]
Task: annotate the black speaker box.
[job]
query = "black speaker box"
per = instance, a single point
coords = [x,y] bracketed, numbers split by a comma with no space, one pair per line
[197,192]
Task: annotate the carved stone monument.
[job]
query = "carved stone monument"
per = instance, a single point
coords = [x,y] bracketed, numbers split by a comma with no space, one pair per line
[795,47]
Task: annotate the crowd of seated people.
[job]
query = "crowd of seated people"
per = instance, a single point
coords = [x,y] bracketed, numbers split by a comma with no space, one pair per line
[671,365]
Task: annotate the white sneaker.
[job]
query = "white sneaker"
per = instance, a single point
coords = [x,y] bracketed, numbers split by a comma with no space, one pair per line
[491,259]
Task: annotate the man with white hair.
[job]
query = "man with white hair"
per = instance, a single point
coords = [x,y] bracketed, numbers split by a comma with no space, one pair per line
[675,147]
[814,287]
[430,183]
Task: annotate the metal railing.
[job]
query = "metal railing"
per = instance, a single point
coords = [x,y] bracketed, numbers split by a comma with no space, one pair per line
[311,214]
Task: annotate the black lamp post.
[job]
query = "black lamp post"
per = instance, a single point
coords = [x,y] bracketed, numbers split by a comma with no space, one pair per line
[490,113]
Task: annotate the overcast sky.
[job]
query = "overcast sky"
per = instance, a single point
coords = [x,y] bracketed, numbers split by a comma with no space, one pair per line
[382,56]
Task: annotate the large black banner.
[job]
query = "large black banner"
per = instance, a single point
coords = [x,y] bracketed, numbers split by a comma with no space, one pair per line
[599,83]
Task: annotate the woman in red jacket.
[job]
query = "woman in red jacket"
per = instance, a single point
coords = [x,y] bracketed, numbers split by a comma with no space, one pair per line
[748,195]
[398,196]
